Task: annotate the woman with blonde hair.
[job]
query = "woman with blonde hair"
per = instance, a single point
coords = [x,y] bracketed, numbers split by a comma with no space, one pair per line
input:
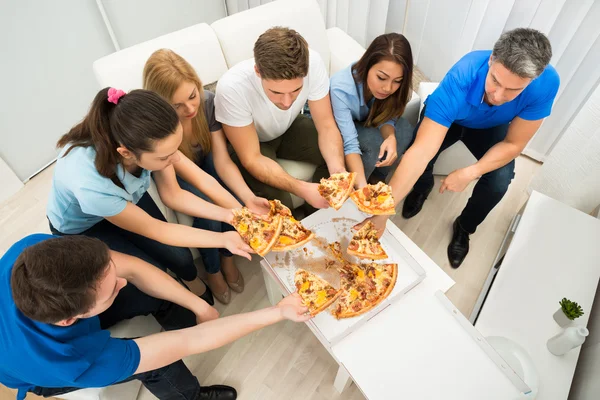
[172,77]
[368,97]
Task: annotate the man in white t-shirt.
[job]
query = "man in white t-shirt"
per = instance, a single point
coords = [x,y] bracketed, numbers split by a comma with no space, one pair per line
[259,100]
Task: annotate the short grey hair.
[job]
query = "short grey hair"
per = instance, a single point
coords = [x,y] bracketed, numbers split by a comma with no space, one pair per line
[523,51]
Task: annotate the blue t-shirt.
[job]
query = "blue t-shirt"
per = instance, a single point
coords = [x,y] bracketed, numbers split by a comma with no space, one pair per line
[37,354]
[80,197]
[459,97]
[348,104]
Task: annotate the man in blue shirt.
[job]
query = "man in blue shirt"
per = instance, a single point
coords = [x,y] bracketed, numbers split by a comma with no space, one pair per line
[56,296]
[494,102]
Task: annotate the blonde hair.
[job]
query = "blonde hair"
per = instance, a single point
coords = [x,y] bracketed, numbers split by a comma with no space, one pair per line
[164,72]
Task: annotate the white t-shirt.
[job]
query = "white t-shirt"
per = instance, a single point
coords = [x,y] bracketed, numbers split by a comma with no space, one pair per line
[241,99]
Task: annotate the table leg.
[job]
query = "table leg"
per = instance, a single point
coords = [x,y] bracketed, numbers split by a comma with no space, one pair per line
[342,380]
[273,290]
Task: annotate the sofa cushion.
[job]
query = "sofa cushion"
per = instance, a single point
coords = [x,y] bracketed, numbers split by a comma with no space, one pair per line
[237,33]
[198,44]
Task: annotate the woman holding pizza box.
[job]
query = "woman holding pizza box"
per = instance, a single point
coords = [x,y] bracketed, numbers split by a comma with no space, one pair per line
[368,98]
[102,176]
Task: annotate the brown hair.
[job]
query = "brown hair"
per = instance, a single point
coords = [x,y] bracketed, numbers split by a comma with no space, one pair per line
[57,279]
[164,72]
[135,122]
[392,47]
[281,54]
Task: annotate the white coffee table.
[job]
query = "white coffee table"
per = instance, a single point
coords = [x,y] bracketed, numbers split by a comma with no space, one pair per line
[427,353]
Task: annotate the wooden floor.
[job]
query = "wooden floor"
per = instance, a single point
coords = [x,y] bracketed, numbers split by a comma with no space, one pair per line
[286,361]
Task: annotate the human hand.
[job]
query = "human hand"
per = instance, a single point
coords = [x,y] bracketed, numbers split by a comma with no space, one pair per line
[258,205]
[378,220]
[458,180]
[312,196]
[388,146]
[233,242]
[292,308]
[206,313]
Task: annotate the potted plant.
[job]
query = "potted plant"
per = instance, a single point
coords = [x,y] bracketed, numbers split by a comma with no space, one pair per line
[568,311]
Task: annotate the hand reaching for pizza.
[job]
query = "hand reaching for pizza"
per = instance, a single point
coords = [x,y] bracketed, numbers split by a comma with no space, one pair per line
[233,242]
[292,308]
[313,197]
[258,205]
[378,220]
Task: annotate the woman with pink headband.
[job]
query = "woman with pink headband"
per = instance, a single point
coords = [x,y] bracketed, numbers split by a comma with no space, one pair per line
[100,188]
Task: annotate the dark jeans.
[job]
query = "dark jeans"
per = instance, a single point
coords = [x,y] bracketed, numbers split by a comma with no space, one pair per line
[299,143]
[370,141]
[490,188]
[131,301]
[210,257]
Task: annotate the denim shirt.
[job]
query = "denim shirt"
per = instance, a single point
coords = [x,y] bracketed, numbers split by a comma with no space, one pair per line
[348,103]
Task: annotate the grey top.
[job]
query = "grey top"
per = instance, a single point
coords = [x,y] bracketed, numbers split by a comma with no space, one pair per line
[209,111]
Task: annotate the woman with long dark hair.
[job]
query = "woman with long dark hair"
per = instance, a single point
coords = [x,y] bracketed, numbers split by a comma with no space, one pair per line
[368,99]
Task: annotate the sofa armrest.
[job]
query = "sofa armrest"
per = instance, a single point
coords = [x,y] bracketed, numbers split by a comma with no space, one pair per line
[343,50]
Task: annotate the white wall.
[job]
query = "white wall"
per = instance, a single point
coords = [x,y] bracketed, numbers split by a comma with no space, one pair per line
[571,173]
[135,21]
[47,52]
[48,48]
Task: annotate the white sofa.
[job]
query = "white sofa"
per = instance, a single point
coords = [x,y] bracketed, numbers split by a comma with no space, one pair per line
[212,49]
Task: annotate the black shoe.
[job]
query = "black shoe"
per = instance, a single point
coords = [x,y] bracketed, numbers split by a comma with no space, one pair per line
[459,245]
[217,392]
[414,202]
[207,296]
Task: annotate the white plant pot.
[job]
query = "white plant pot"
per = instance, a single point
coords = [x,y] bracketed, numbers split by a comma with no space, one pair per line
[561,319]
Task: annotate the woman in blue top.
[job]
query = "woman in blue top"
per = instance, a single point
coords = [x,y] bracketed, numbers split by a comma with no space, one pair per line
[368,98]
[102,176]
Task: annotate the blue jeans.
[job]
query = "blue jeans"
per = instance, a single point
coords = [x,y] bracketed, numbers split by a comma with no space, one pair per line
[490,188]
[370,141]
[210,257]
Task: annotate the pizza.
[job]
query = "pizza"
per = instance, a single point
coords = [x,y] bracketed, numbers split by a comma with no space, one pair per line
[316,293]
[260,233]
[293,234]
[365,243]
[337,188]
[363,288]
[375,199]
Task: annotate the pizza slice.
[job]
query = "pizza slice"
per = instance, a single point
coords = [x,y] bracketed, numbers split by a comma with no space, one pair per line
[259,233]
[364,287]
[278,208]
[293,235]
[337,188]
[375,199]
[365,243]
[316,293]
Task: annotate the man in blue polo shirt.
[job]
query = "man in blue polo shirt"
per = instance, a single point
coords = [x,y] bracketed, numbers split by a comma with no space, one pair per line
[494,102]
[55,294]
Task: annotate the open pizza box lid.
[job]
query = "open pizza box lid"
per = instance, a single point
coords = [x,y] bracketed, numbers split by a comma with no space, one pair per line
[330,226]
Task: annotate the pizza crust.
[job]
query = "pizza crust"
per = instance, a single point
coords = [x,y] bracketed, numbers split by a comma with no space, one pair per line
[274,240]
[350,189]
[367,256]
[326,305]
[295,245]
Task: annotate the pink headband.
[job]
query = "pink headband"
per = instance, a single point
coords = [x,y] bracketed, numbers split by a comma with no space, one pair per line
[114,95]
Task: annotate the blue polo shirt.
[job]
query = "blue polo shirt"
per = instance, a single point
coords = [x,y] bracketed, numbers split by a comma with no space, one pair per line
[37,354]
[80,197]
[459,97]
